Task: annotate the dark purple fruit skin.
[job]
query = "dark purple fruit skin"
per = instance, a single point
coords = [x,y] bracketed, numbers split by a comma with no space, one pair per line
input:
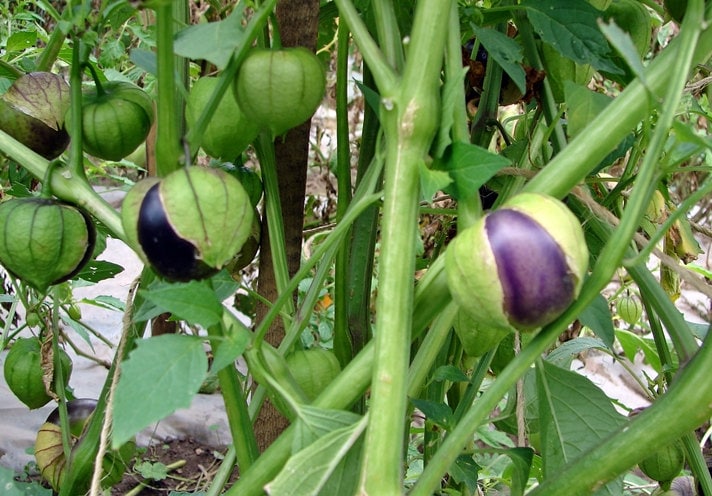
[171,256]
[532,269]
[78,409]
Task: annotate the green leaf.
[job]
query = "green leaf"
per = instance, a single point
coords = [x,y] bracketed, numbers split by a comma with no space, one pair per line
[632,344]
[152,470]
[99,270]
[574,416]
[562,355]
[311,468]
[465,469]
[438,413]
[105,301]
[11,487]
[232,345]
[452,92]
[194,301]
[623,43]
[470,166]
[506,52]
[21,40]
[432,181]
[520,468]
[597,317]
[313,423]
[450,373]
[160,376]
[213,41]
[571,27]
[583,105]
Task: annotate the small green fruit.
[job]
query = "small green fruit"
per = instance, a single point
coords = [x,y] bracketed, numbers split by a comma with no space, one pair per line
[630,309]
[115,120]
[44,241]
[23,372]
[313,369]
[520,266]
[280,89]
[229,131]
[665,464]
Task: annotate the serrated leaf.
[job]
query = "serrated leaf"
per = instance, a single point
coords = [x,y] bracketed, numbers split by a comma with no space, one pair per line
[432,181]
[194,301]
[212,41]
[450,373]
[160,376]
[470,166]
[313,423]
[506,52]
[597,317]
[571,27]
[144,59]
[623,43]
[106,301]
[438,413]
[574,416]
[311,468]
[152,470]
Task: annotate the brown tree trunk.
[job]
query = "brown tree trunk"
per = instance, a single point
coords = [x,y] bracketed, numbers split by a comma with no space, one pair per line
[298,25]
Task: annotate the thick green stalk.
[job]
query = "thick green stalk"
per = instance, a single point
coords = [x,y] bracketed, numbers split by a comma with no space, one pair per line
[168,121]
[431,297]
[409,118]
[49,53]
[64,185]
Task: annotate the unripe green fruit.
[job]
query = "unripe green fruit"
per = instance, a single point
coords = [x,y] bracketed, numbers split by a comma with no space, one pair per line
[115,120]
[630,309]
[23,372]
[280,89]
[189,224]
[229,131]
[520,266]
[313,369]
[665,464]
[44,241]
[32,112]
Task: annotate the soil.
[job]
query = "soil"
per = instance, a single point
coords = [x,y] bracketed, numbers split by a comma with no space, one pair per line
[195,462]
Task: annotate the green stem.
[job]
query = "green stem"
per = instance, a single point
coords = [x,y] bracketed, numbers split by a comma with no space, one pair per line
[389,38]
[342,338]
[51,50]
[243,436]
[168,124]
[264,147]
[76,154]
[383,73]
[64,185]
[588,148]
[409,119]
[659,425]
